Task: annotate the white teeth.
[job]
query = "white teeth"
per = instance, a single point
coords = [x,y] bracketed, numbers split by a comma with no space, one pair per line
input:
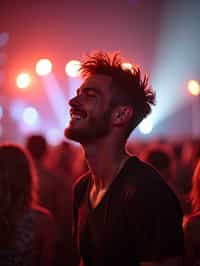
[76,116]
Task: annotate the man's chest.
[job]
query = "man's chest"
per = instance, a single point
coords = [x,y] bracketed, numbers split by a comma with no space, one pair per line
[102,227]
[95,198]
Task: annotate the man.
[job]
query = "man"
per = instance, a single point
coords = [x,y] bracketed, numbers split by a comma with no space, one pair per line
[124,213]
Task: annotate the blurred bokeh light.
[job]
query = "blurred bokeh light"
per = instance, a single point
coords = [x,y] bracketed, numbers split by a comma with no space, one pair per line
[194,87]
[43,67]
[54,136]
[146,126]
[23,80]
[30,116]
[72,68]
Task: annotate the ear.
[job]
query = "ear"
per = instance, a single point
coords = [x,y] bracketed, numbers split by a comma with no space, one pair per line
[122,114]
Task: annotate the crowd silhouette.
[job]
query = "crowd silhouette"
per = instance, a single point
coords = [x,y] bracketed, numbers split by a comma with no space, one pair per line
[36,196]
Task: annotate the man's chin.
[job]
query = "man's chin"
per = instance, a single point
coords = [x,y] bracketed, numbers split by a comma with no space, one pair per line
[85,136]
[68,133]
[72,135]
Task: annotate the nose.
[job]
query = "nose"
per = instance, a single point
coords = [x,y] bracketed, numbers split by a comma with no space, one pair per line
[74,101]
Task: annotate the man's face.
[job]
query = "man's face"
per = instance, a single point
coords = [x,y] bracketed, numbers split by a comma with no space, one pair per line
[90,110]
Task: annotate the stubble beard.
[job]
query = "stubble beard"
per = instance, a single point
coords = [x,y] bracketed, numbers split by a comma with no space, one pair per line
[97,127]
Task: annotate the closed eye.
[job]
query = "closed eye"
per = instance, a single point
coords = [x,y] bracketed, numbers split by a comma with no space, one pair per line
[90,93]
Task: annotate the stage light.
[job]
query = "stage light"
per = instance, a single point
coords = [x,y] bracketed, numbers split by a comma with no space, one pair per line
[30,116]
[127,65]
[43,67]
[23,80]
[56,97]
[146,126]
[194,87]
[72,68]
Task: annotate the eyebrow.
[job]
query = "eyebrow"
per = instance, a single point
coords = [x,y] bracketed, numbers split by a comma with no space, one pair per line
[88,88]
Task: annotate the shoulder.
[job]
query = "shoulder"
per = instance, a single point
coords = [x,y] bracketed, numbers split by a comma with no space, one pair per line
[140,167]
[143,175]
[149,184]
[191,232]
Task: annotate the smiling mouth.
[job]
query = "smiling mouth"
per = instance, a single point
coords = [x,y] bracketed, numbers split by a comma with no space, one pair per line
[77,114]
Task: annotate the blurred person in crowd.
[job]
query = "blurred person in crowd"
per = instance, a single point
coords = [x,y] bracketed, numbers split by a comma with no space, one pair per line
[38,148]
[177,148]
[192,223]
[189,157]
[27,231]
[162,158]
[53,195]
[66,162]
[191,153]
[69,159]
[124,213]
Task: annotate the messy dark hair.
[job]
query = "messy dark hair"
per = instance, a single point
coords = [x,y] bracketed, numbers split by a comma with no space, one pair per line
[127,84]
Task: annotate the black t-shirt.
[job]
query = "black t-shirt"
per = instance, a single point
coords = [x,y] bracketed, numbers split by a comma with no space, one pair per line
[138,219]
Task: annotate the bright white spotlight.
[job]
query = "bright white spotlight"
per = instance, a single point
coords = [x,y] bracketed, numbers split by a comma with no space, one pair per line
[146,126]
[30,116]
[54,136]
[23,80]
[1,112]
[127,65]
[43,67]
[72,68]
[194,87]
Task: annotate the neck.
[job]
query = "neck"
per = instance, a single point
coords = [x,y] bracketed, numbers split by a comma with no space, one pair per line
[105,160]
